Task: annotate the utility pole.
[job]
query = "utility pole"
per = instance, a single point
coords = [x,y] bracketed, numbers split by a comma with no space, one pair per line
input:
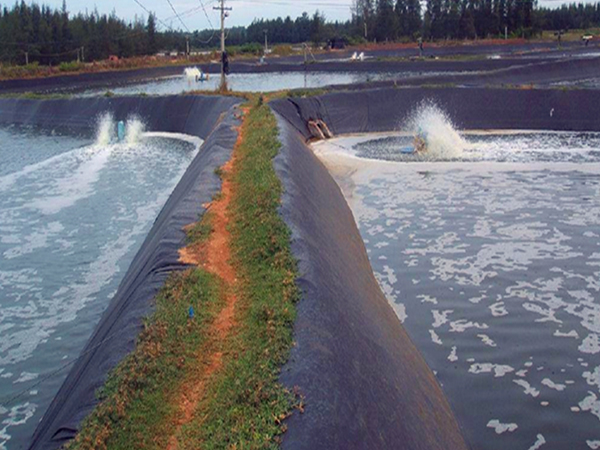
[83,53]
[187,47]
[26,58]
[266,42]
[224,14]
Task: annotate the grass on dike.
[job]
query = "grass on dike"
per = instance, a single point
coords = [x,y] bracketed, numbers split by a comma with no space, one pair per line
[244,405]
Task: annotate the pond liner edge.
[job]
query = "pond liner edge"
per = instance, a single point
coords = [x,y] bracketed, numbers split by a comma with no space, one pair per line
[211,118]
[363,382]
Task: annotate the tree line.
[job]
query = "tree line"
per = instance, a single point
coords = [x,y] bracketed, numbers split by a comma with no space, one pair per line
[386,20]
[45,35]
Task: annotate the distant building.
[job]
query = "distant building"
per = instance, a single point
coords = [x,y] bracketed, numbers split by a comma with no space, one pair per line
[202,53]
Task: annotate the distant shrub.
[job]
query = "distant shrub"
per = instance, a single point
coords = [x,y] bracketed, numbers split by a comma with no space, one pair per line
[72,66]
[30,70]
[283,50]
[253,48]
[356,40]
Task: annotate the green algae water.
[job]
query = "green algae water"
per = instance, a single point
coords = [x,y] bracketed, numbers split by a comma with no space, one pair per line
[73,213]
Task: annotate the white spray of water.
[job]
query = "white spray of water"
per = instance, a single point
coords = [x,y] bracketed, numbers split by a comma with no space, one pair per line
[107,127]
[105,130]
[433,124]
[192,72]
[134,129]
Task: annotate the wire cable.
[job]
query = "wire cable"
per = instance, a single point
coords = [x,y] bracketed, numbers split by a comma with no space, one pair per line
[214,31]
[150,13]
[176,14]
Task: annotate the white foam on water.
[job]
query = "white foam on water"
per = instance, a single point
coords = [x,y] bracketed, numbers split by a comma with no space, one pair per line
[498,309]
[452,357]
[591,404]
[427,299]
[552,385]
[594,445]
[8,181]
[69,189]
[17,415]
[435,338]
[485,339]
[36,240]
[499,370]
[593,378]
[500,428]
[25,377]
[570,334]
[528,389]
[540,440]
[440,317]
[590,345]
[460,326]
[195,141]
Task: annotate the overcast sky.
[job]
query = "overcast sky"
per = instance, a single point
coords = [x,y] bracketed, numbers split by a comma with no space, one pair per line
[244,11]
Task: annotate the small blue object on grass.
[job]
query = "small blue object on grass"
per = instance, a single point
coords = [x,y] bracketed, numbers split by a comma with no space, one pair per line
[191,312]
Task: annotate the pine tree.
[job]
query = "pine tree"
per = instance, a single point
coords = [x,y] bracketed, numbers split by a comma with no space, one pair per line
[317,24]
[433,23]
[413,17]
[386,21]
[467,21]
[451,18]
[401,11]
[151,32]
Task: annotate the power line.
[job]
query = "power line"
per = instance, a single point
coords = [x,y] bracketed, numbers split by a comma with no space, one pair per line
[210,23]
[206,14]
[298,4]
[180,19]
[150,13]
[127,34]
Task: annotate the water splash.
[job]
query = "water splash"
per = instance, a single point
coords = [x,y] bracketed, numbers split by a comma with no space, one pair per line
[192,72]
[134,129]
[106,129]
[433,124]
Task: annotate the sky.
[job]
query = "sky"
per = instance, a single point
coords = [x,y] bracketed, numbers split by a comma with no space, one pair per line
[194,18]
[244,11]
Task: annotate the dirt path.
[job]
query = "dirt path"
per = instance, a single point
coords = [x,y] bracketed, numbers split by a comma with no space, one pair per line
[215,257]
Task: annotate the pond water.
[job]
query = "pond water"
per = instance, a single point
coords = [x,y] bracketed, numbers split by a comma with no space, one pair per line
[488,249]
[254,82]
[73,213]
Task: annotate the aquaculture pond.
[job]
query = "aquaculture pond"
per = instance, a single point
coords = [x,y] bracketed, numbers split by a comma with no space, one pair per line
[487,246]
[253,82]
[73,213]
